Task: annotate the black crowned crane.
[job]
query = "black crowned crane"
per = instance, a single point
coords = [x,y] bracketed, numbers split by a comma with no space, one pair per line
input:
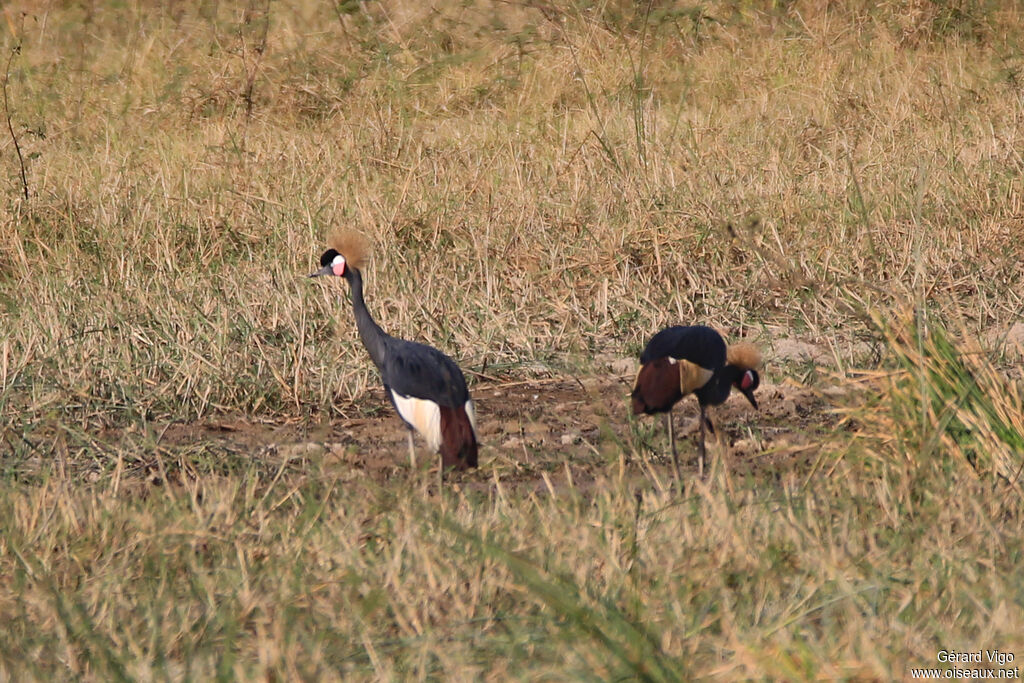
[693,360]
[425,386]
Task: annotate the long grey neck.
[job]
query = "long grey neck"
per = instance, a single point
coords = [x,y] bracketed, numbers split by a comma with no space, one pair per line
[374,338]
[718,388]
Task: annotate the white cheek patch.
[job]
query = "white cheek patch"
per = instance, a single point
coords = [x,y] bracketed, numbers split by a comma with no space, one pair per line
[338,265]
[423,415]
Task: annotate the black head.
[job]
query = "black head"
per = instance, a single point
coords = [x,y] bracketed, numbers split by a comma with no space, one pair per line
[332,263]
[747,382]
[328,256]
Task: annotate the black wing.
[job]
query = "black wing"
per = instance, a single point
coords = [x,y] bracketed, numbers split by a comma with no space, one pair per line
[695,343]
[421,371]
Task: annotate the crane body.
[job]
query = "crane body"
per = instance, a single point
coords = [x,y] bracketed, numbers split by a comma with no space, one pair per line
[692,359]
[426,387]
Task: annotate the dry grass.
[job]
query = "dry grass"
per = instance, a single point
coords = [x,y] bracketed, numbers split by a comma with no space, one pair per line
[545,186]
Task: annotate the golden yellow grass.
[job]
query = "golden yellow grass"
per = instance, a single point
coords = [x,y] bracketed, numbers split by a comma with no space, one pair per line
[545,186]
[594,196]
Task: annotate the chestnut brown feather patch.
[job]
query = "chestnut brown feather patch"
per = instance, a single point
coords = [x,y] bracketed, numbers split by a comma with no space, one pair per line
[657,388]
[744,356]
[458,441]
[352,245]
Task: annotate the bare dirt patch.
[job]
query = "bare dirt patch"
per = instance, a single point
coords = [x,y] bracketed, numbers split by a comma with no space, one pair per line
[538,434]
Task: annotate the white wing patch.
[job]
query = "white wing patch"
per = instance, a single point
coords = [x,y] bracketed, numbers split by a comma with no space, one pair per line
[423,415]
[471,414]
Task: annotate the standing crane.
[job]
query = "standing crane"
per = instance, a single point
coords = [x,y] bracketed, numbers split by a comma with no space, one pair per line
[693,360]
[425,386]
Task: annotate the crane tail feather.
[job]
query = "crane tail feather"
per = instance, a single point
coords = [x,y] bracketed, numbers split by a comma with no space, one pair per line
[657,387]
[458,436]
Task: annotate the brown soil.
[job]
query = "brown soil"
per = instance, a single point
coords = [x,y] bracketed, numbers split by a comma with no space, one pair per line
[538,434]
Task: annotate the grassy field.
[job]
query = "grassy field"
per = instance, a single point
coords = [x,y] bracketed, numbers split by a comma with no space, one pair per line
[200,476]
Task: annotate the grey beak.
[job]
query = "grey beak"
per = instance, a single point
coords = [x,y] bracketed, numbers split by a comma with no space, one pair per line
[326,270]
[750,397]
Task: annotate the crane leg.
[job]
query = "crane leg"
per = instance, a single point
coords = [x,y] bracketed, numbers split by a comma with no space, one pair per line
[412,451]
[675,454]
[701,451]
[440,474]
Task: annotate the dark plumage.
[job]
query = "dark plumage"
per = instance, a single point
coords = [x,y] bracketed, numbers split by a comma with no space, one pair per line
[417,371]
[425,386]
[703,345]
[694,359]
